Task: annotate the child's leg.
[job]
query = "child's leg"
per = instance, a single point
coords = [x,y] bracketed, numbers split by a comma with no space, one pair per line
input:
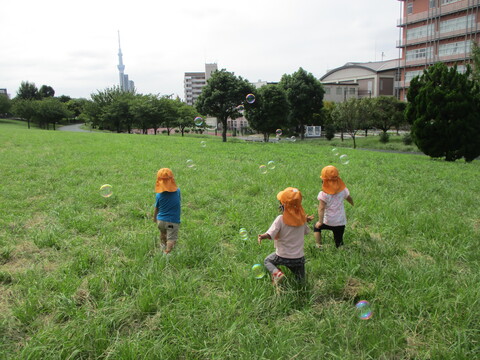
[317,233]
[270,263]
[171,236]
[298,271]
[338,235]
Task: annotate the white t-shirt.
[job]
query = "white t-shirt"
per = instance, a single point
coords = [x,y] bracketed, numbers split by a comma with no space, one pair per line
[288,240]
[334,210]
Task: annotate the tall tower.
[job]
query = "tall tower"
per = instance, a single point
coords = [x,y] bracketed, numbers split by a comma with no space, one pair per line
[120,65]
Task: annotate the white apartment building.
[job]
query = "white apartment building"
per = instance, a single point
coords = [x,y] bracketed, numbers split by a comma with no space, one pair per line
[195,81]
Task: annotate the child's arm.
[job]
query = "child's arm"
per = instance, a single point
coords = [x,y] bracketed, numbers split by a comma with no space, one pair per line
[310,218]
[349,199]
[155,215]
[262,237]
[321,213]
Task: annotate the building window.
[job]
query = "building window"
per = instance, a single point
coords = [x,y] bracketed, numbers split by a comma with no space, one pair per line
[410,8]
[459,23]
[327,91]
[420,32]
[409,75]
[419,54]
[459,47]
[445,2]
[351,91]
[339,91]
[433,3]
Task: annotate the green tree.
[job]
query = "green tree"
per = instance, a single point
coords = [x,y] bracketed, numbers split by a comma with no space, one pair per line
[168,109]
[328,124]
[145,112]
[270,111]
[23,109]
[186,115]
[5,104]
[386,112]
[305,98]
[50,110]
[351,116]
[27,91]
[443,108]
[476,62]
[110,109]
[46,91]
[221,96]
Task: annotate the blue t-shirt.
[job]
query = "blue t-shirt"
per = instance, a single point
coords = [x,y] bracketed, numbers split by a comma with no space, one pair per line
[168,205]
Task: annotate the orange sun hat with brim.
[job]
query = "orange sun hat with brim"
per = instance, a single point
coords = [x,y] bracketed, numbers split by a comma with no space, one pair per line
[332,184]
[293,213]
[165,181]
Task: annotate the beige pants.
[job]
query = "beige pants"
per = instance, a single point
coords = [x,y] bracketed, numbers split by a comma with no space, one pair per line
[170,228]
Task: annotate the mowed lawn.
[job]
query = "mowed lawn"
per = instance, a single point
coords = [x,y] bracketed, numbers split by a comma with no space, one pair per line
[81,276]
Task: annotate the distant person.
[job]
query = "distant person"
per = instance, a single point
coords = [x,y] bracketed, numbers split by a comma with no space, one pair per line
[167,209]
[288,231]
[331,212]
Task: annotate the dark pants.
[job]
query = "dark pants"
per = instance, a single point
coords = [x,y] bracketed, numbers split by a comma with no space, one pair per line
[296,266]
[337,232]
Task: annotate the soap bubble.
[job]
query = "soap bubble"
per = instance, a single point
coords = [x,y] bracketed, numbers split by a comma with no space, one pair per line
[293,139]
[278,132]
[250,98]
[335,151]
[198,121]
[106,190]
[240,108]
[203,143]
[271,165]
[364,310]
[258,271]
[262,169]
[344,159]
[243,234]
[190,164]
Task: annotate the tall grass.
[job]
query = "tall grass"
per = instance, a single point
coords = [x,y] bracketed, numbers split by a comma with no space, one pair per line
[81,276]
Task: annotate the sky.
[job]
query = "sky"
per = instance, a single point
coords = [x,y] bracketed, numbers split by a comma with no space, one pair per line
[72,46]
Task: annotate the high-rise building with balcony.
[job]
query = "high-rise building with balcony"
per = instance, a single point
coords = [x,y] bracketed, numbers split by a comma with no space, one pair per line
[195,81]
[435,31]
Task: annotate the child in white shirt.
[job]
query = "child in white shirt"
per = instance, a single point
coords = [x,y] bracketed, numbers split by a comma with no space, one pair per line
[288,231]
[331,212]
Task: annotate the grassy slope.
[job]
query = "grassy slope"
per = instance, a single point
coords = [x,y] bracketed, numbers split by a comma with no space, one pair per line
[80,276]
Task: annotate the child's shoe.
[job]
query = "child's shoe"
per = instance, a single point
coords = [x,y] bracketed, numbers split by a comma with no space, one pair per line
[277,277]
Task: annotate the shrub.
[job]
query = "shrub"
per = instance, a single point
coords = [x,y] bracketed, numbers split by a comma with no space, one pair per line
[384,138]
[177,131]
[164,131]
[407,139]
[329,132]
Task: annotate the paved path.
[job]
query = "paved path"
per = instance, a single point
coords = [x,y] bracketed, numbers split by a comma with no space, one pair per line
[73,127]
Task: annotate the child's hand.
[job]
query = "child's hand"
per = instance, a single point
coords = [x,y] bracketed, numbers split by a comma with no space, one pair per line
[259,239]
[318,224]
[310,218]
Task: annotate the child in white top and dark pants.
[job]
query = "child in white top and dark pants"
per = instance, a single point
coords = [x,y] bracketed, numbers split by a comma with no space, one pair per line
[288,231]
[331,212]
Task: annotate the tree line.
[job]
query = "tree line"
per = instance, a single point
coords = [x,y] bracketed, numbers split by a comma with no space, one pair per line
[442,109]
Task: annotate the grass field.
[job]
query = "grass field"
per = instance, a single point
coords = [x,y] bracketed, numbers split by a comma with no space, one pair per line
[81,277]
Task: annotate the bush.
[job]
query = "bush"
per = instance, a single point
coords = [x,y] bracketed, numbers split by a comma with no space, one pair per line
[164,131]
[187,131]
[177,131]
[329,132]
[384,138]
[407,139]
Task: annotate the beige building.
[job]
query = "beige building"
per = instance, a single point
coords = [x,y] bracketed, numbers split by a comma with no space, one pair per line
[357,80]
[435,31]
[195,81]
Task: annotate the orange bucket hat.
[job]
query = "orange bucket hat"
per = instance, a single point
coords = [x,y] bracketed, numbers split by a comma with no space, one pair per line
[293,213]
[165,181]
[332,184]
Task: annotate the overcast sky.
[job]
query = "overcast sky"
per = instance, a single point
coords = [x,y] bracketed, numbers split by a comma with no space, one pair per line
[73,46]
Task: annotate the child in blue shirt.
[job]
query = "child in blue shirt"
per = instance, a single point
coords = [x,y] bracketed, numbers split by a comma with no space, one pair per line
[167,209]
